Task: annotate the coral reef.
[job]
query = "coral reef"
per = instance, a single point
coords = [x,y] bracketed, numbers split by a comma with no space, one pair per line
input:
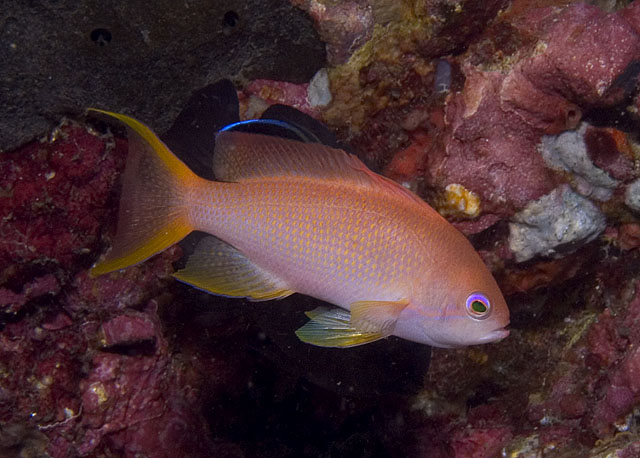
[517,120]
[528,141]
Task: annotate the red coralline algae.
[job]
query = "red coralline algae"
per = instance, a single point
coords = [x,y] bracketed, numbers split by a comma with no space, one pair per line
[136,403]
[138,399]
[628,236]
[405,165]
[498,107]
[480,442]
[11,302]
[610,151]
[619,389]
[497,119]
[85,367]
[583,52]
[631,13]
[488,150]
[128,329]
[548,112]
[272,92]
[53,200]
[40,373]
[600,382]
[124,289]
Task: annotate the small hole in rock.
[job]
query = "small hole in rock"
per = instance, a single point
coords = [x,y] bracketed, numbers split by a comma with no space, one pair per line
[231,19]
[101,36]
[573,117]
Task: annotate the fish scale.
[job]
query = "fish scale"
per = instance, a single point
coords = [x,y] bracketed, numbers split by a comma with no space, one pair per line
[313,242]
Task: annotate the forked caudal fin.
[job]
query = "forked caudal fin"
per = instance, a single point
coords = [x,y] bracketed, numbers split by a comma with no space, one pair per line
[153,214]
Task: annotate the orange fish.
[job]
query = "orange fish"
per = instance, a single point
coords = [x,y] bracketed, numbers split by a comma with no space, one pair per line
[286,217]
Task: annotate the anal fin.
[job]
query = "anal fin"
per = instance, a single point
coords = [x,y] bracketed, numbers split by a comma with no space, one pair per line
[219,268]
[333,328]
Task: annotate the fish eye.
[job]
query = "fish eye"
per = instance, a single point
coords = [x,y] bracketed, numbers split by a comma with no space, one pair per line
[478,306]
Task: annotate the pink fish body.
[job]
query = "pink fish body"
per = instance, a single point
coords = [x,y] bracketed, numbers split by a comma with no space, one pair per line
[288,217]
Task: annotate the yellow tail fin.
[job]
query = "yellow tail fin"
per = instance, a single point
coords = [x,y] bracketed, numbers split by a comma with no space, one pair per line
[153,212]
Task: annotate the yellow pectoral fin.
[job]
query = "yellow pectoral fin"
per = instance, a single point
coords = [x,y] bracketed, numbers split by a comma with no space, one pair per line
[333,328]
[376,316]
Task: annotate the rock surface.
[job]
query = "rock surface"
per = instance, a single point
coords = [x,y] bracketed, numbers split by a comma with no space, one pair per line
[61,57]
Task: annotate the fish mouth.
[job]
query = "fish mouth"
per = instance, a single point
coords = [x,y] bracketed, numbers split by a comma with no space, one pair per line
[496,335]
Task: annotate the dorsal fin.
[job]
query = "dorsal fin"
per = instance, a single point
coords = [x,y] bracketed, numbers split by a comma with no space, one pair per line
[242,156]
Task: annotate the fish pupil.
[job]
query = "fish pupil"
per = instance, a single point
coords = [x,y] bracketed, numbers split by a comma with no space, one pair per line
[478,306]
